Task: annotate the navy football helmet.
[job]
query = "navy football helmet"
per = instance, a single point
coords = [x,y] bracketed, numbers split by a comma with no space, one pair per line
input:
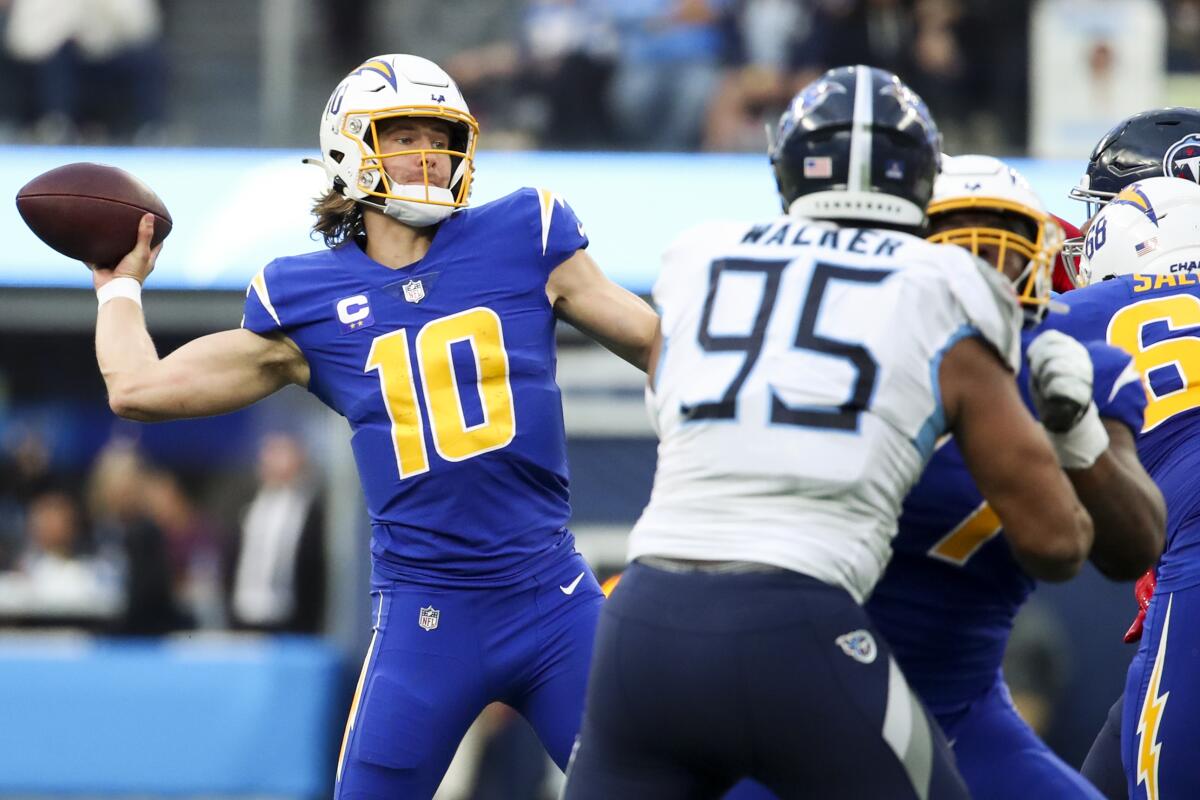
[857,144]
[1151,144]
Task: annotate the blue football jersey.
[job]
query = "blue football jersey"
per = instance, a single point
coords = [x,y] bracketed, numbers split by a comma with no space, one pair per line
[953,587]
[1156,318]
[445,370]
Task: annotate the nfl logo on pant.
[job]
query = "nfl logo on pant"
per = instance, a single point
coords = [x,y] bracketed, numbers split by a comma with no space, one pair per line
[428,618]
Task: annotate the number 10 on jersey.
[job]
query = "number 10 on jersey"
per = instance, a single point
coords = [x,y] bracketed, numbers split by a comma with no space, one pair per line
[453,438]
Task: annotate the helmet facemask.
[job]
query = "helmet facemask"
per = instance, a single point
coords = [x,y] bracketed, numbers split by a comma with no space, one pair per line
[1030,234]
[418,204]
[389,87]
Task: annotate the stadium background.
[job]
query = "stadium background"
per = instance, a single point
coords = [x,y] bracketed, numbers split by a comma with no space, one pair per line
[647,114]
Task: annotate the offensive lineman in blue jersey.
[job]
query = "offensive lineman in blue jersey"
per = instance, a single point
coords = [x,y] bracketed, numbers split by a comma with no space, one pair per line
[950,594]
[430,327]
[1142,293]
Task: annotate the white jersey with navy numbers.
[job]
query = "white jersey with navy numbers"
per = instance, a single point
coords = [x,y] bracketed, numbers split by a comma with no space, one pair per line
[796,396]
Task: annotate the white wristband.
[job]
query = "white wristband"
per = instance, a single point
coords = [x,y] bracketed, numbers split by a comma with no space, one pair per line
[120,287]
[1079,447]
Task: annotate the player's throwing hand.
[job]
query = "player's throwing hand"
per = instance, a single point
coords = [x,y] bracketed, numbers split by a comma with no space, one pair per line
[138,263]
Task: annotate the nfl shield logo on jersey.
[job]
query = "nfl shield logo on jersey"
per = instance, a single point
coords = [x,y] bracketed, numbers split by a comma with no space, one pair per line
[859,645]
[414,292]
[428,618]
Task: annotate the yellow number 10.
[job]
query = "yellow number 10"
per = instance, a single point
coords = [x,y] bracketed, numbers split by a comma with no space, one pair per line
[453,438]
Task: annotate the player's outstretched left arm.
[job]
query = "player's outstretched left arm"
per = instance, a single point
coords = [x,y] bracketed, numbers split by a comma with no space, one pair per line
[580,293]
[1099,456]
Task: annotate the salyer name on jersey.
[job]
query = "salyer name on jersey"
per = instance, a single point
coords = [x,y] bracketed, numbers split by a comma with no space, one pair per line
[947,601]
[445,370]
[796,397]
[1156,319]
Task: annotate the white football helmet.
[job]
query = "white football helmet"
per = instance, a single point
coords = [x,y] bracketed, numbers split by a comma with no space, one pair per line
[1150,227]
[385,87]
[977,183]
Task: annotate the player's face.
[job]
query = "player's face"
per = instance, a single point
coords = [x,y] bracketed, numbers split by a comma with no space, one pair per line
[1014,262]
[416,133]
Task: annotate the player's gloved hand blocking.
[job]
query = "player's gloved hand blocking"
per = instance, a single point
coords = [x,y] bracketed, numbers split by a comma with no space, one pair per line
[1060,380]
[1143,590]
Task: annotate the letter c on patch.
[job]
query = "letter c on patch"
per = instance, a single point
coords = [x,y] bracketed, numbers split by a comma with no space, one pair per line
[353,309]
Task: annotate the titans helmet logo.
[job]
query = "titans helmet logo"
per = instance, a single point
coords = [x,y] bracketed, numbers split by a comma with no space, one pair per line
[1182,159]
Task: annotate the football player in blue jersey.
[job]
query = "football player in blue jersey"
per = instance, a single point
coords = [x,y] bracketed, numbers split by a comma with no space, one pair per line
[1154,143]
[1141,278]
[954,585]
[430,326]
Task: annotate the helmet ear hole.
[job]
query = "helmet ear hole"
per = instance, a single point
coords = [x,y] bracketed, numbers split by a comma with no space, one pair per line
[337,156]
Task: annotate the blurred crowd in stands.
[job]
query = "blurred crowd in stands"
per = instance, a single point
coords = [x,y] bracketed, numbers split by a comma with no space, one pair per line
[127,549]
[561,74]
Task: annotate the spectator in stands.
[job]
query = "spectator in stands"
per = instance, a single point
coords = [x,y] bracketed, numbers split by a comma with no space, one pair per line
[126,536]
[548,84]
[24,473]
[670,56]
[279,565]
[93,64]
[1183,36]
[56,581]
[763,74]
[193,548]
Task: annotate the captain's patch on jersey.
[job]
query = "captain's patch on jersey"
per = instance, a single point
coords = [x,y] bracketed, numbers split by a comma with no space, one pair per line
[354,312]
[859,645]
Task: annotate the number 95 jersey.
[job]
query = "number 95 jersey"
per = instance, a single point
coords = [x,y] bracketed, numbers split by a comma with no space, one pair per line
[797,395]
[445,371]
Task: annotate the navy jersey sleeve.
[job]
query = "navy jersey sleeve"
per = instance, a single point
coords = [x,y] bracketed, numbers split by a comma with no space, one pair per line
[260,314]
[560,233]
[1117,386]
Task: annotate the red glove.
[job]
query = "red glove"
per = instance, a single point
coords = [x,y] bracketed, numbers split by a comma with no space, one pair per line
[1143,590]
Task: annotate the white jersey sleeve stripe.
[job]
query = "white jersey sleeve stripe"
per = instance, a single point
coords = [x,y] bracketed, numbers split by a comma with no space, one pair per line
[259,285]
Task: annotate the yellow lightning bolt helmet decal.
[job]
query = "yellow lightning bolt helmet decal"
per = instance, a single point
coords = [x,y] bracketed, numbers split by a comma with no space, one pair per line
[1151,717]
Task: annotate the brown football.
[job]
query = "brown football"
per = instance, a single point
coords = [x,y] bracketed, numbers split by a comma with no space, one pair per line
[90,212]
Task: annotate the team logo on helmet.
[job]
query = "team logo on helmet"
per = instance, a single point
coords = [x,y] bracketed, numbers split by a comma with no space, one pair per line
[1182,159]
[815,96]
[379,67]
[1133,195]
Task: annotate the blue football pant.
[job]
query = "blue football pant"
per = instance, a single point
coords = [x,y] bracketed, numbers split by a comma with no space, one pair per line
[700,679]
[526,645]
[1001,758]
[1103,763]
[1160,742]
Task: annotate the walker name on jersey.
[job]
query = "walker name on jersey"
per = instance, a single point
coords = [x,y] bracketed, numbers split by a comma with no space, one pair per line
[852,240]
